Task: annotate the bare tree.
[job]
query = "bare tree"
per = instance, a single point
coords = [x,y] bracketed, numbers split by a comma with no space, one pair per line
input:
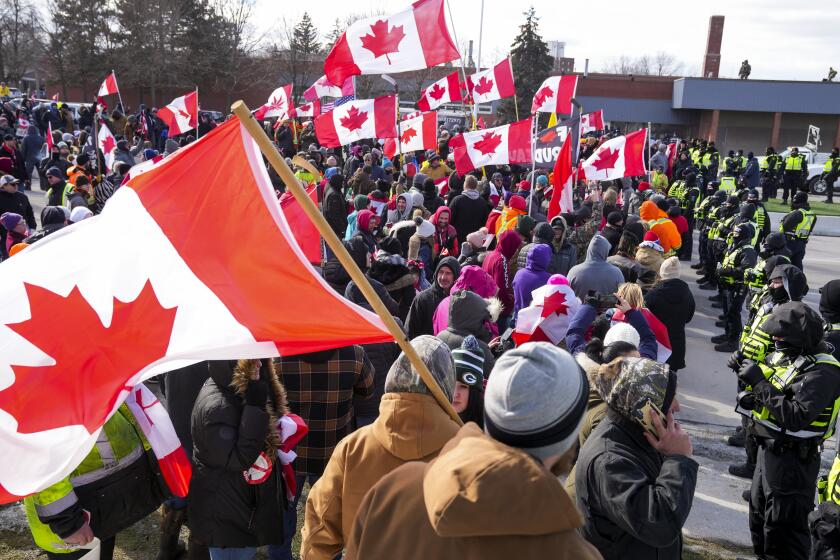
[241,44]
[20,39]
[660,64]
[665,64]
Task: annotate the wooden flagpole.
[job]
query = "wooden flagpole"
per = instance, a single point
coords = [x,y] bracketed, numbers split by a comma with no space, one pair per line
[198,114]
[119,95]
[279,164]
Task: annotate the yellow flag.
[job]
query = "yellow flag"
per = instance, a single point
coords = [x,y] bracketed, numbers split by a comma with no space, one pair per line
[552,120]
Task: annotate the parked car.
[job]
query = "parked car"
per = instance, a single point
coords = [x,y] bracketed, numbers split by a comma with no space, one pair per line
[816,162]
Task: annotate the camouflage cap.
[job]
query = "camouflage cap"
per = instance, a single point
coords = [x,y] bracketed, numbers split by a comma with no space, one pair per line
[403,378]
[631,385]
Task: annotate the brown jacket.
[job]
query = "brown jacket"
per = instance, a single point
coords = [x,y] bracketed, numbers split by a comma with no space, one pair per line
[479,500]
[410,427]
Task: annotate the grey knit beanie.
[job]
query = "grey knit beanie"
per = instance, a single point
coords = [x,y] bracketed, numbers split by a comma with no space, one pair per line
[403,378]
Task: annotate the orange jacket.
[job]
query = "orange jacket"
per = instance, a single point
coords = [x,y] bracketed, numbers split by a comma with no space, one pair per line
[659,223]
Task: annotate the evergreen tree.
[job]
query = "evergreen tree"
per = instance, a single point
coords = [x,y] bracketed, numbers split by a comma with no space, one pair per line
[532,63]
[305,37]
[333,35]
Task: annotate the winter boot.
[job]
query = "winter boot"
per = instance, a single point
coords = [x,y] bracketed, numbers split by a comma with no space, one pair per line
[729,345]
[720,323]
[743,470]
[170,529]
[720,338]
[698,266]
[738,439]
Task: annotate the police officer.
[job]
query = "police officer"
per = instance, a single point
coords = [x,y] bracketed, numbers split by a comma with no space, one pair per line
[769,168]
[797,226]
[795,172]
[831,171]
[830,311]
[710,162]
[738,259]
[703,219]
[730,165]
[761,219]
[787,283]
[721,219]
[771,253]
[741,161]
[794,399]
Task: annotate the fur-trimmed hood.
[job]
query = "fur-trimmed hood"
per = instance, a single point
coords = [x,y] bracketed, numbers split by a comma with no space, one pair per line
[469,313]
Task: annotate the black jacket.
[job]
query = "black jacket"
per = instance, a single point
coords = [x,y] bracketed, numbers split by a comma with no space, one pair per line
[19,204]
[673,304]
[181,388]
[468,214]
[634,500]
[335,211]
[612,235]
[421,314]
[228,437]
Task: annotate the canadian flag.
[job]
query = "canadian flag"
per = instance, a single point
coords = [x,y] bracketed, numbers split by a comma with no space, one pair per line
[491,84]
[547,318]
[108,144]
[445,90]
[311,109]
[307,235]
[418,133]
[358,119]
[413,39]
[590,122]
[672,153]
[323,88]
[181,115]
[173,271]
[109,86]
[510,143]
[562,196]
[660,331]
[555,95]
[618,157]
[279,105]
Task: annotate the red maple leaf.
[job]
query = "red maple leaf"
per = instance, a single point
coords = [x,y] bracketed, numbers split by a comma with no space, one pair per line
[542,95]
[437,92]
[606,159]
[184,114]
[407,135]
[108,144]
[381,42]
[93,362]
[483,86]
[488,143]
[555,303]
[354,119]
[549,135]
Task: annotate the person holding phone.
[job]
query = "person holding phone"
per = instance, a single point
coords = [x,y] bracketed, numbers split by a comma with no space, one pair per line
[635,476]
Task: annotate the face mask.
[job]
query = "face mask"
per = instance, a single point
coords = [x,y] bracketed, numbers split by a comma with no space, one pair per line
[785,347]
[779,295]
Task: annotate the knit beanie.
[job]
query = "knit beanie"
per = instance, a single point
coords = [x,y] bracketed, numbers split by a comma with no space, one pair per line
[10,220]
[403,378]
[535,399]
[670,268]
[651,236]
[469,362]
[360,202]
[478,238]
[525,225]
[624,332]
[543,232]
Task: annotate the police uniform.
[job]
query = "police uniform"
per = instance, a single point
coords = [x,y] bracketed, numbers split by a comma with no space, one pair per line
[793,406]
[769,167]
[831,171]
[797,226]
[738,259]
[703,219]
[794,175]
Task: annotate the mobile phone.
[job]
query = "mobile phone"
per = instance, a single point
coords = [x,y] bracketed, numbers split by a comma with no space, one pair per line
[646,421]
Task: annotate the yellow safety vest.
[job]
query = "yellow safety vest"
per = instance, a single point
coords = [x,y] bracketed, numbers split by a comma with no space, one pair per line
[794,163]
[803,228]
[830,163]
[781,376]
[729,262]
[755,343]
[828,489]
[760,217]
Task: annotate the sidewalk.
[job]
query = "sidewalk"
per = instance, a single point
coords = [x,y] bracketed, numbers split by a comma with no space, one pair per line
[826,225]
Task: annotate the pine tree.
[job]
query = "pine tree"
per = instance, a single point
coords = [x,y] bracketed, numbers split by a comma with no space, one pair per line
[532,63]
[305,37]
[333,35]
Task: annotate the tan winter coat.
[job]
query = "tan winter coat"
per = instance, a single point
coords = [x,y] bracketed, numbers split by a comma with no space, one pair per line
[479,500]
[410,427]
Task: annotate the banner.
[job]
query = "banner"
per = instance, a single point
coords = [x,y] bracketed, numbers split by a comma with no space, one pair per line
[548,144]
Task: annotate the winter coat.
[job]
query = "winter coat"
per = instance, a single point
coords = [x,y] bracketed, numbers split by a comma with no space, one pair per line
[612,234]
[444,241]
[664,228]
[650,257]
[334,209]
[228,437]
[410,427]
[470,314]
[633,270]
[398,281]
[469,212]
[473,279]
[595,273]
[533,276]
[634,500]
[562,259]
[421,314]
[394,215]
[498,266]
[673,304]
[31,145]
[452,507]
[751,175]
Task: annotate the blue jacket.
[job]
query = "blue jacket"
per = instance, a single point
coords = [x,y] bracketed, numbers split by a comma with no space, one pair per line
[751,175]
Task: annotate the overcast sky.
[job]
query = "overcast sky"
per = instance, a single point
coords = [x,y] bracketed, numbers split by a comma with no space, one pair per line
[782,40]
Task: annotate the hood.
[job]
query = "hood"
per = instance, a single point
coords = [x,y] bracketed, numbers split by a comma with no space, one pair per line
[408,207]
[598,250]
[508,243]
[412,426]
[538,258]
[830,301]
[451,263]
[363,219]
[441,210]
[468,313]
[52,215]
[473,479]
[628,384]
[797,324]
[474,279]
[796,285]
[650,211]
[402,377]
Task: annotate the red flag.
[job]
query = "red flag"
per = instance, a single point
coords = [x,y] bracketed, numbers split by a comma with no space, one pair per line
[183,264]
[109,86]
[562,199]
[445,90]
[492,84]
[510,143]
[672,153]
[358,119]
[413,39]
[590,122]
[50,141]
[418,133]
[618,157]
[181,114]
[555,95]
[305,232]
[660,331]
[547,318]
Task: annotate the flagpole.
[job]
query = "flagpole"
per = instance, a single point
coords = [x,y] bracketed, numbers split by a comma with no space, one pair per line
[198,115]
[461,61]
[96,141]
[649,176]
[478,58]
[279,164]
[533,160]
[119,95]
[515,102]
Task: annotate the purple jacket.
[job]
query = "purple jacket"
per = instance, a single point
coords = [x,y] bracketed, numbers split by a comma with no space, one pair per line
[533,276]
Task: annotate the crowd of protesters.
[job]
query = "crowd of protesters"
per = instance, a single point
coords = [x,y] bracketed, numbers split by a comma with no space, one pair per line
[383,471]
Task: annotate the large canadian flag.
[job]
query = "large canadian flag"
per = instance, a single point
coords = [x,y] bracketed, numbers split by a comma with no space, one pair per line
[108,144]
[562,197]
[192,260]
[618,157]
[417,133]
[413,39]
[324,88]
[590,122]
[510,143]
[445,90]
[491,84]
[358,119]
[109,86]
[181,115]
[555,95]
[279,105]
